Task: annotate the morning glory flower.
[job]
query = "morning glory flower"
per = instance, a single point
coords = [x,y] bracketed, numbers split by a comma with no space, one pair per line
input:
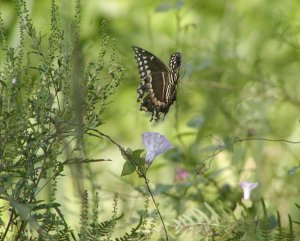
[247,188]
[181,175]
[155,144]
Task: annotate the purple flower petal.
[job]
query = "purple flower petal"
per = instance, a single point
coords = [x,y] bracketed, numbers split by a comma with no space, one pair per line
[155,144]
[247,188]
[181,175]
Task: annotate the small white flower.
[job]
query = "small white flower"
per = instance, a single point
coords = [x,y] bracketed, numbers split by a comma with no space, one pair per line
[14,81]
[155,144]
[247,188]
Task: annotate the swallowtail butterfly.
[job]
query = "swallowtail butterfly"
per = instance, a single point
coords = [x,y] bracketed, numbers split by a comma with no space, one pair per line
[158,82]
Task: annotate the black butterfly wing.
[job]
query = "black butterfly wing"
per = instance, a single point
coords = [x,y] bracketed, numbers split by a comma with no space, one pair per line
[148,61]
[156,83]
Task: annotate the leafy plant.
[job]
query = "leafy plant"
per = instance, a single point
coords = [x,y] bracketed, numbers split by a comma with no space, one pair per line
[234,117]
[48,100]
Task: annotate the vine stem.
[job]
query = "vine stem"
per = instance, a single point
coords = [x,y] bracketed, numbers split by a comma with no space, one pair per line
[237,140]
[8,225]
[156,206]
[143,175]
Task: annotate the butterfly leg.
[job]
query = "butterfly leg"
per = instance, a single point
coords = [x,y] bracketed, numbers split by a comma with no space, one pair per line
[157,115]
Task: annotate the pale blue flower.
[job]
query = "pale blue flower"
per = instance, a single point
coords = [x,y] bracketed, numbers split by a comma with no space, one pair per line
[155,144]
[14,81]
[247,188]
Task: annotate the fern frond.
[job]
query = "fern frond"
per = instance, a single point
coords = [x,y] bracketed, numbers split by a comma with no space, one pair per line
[298,206]
[290,236]
[102,229]
[265,227]
[63,235]
[280,233]
[198,220]
[134,234]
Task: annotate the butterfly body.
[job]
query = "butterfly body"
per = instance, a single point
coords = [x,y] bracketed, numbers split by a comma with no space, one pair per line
[157,89]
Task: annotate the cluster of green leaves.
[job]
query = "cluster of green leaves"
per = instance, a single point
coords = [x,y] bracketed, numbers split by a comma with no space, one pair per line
[134,162]
[93,229]
[221,224]
[48,101]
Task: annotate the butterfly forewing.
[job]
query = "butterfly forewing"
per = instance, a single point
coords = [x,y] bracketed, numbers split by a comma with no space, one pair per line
[148,63]
[158,83]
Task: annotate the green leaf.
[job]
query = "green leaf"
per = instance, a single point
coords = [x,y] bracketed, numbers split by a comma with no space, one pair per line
[136,156]
[196,122]
[128,168]
[247,203]
[293,170]
[126,154]
[133,160]
[238,211]
[161,188]
[165,6]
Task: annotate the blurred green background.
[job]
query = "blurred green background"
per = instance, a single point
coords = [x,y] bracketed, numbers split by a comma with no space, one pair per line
[240,79]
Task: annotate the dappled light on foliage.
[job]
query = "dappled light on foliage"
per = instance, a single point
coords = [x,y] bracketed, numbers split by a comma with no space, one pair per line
[80,161]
